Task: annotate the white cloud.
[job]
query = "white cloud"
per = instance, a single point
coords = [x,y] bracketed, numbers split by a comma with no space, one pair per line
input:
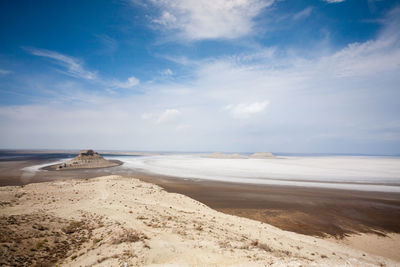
[168,115]
[246,110]
[204,19]
[372,57]
[318,104]
[167,72]
[131,82]
[4,72]
[74,66]
[166,19]
[360,59]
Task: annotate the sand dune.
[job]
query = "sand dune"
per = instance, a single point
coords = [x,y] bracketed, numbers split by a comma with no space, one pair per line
[117,221]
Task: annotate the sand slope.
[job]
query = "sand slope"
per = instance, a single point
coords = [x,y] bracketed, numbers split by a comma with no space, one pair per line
[132,223]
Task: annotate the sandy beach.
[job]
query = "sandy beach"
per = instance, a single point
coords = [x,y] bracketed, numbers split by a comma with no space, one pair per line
[114,221]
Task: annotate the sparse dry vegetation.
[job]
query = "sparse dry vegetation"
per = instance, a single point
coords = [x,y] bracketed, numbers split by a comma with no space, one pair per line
[36,239]
[129,236]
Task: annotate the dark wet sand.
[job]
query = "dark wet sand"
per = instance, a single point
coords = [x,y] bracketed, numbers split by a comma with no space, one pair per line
[303,210]
[11,173]
[308,211]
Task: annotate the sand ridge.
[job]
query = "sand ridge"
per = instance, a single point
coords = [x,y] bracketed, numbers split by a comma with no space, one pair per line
[140,224]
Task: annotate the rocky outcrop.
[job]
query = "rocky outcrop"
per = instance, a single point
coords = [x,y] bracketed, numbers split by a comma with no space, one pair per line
[262,155]
[86,159]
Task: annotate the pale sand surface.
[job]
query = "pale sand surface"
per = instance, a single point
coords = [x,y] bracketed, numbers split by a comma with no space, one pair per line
[127,220]
[387,246]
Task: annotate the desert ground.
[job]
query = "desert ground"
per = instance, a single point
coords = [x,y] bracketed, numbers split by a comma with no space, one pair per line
[122,221]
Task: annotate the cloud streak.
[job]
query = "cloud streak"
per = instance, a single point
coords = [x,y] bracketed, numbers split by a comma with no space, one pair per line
[303,13]
[74,67]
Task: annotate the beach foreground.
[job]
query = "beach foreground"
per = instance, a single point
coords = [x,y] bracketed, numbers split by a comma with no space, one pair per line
[113,220]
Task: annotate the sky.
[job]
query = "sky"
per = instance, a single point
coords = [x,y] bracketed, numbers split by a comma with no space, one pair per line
[296,76]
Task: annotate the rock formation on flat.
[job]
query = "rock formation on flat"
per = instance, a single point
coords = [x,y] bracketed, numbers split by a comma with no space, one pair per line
[262,155]
[86,159]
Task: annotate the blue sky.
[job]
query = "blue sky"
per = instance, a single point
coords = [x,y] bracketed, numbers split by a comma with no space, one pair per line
[186,75]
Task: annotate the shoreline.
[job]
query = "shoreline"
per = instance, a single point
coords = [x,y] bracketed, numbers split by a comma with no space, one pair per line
[53,167]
